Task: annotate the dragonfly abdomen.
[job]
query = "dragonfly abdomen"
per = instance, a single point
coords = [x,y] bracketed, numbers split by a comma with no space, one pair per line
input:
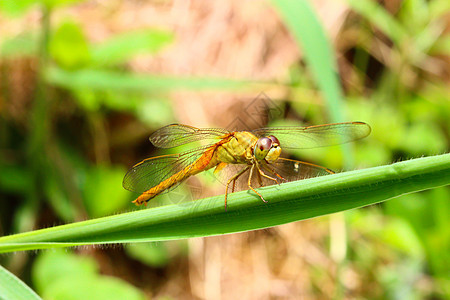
[205,162]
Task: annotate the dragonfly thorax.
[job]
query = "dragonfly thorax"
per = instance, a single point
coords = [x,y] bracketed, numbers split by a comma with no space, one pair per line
[267,148]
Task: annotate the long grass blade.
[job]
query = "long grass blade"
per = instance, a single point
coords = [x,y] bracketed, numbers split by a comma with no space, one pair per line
[287,202]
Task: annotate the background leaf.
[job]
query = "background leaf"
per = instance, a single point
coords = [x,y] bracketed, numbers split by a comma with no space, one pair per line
[68,46]
[62,275]
[12,287]
[122,47]
[310,36]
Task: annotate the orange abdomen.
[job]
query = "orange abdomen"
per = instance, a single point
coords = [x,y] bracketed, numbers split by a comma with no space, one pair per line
[205,162]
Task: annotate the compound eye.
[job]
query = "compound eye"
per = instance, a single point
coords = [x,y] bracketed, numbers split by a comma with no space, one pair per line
[274,140]
[264,144]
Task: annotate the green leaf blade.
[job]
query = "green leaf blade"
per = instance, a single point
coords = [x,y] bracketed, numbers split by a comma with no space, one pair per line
[309,34]
[100,80]
[288,202]
[123,47]
[12,287]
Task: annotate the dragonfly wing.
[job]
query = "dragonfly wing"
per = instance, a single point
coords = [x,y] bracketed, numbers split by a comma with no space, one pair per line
[152,171]
[293,137]
[292,170]
[178,134]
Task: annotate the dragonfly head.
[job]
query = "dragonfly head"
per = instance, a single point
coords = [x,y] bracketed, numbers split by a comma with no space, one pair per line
[267,148]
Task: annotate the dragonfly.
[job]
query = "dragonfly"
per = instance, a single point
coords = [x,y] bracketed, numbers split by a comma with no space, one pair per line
[256,152]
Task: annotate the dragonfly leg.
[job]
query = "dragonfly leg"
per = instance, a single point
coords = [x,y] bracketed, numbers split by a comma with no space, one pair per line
[259,177]
[250,184]
[279,176]
[234,181]
[236,177]
[276,174]
[267,176]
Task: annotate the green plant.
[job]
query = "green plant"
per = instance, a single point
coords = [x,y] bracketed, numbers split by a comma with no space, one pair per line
[287,203]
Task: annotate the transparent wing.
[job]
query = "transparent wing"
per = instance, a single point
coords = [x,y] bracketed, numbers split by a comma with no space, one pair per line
[287,169]
[178,134]
[152,171]
[293,137]
[291,170]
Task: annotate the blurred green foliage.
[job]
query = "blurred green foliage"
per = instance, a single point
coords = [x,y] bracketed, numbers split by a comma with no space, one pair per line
[69,47]
[62,275]
[157,254]
[54,166]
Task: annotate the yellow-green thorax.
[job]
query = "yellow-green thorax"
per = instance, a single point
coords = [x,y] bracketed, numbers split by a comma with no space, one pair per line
[243,147]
